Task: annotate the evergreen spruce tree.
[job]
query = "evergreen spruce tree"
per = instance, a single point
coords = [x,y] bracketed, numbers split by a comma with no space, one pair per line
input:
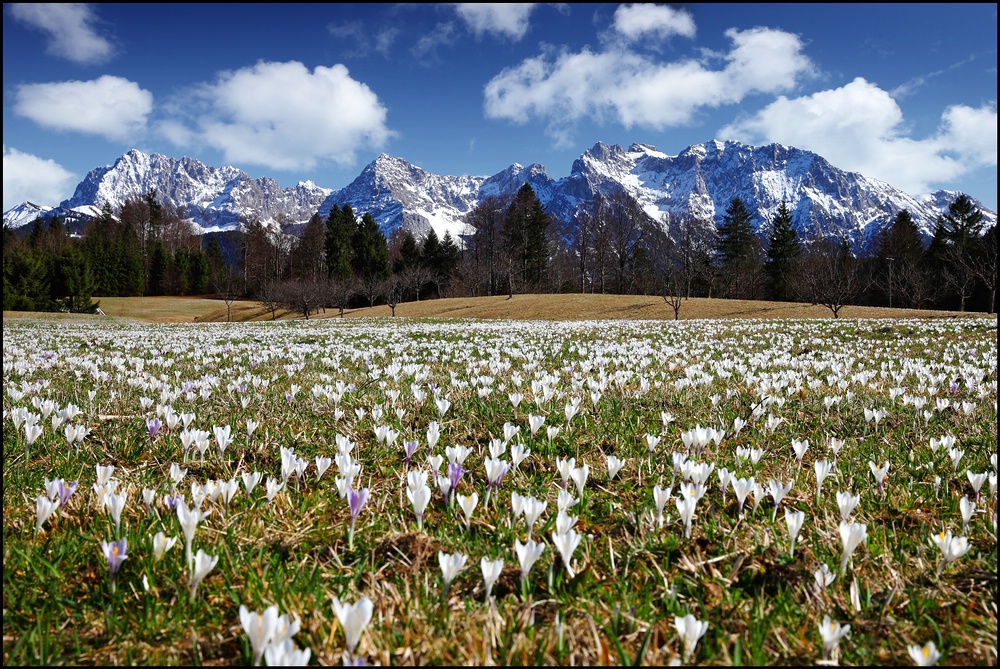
[159,266]
[450,256]
[956,238]
[409,254]
[180,273]
[213,252]
[97,246]
[525,236]
[55,235]
[340,226]
[369,250]
[783,251]
[26,280]
[199,273]
[430,251]
[75,282]
[310,252]
[737,249]
[129,261]
[441,258]
[537,253]
[963,223]
[36,233]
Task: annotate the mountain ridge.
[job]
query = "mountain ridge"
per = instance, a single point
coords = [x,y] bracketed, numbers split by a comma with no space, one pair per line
[701,180]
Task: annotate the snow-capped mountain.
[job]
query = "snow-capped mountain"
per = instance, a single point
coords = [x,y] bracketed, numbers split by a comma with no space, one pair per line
[213,198]
[398,194]
[701,180]
[704,178]
[26,212]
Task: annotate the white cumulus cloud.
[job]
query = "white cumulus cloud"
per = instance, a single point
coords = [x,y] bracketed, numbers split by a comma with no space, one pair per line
[635,22]
[283,116]
[70,27]
[502,19]
[860,127]
[629,88]
[28,178]
[108,106]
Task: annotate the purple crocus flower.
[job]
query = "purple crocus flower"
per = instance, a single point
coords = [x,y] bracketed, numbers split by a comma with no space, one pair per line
[170,501]
[455,472]
[409,448]
[115,552]
[496,469]
[356,500]
[153,425]
[66,491]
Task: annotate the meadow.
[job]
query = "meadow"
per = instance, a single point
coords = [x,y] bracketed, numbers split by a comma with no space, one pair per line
[450,491]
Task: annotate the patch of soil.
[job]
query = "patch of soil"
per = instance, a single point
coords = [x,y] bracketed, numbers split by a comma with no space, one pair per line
[768,573]
[408,552]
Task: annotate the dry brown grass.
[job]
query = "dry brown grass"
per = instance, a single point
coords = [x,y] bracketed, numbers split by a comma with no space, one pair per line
[627,307]
[520,307]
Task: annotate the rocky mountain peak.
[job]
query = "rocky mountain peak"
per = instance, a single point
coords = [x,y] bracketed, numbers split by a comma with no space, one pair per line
[701,180]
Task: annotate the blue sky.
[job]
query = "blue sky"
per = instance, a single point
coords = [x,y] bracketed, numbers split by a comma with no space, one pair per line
[903,93]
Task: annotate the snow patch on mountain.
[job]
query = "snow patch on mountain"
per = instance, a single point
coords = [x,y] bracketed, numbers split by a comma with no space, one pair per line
[701,181]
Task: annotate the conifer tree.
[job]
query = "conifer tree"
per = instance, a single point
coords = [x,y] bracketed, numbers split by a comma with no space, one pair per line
[441,258]
[213,252]
[956,237]
[75,282]
[783,251]
[738,249]
[159,267]
[431,249]
[409,254]
[128,260]
[340,226]
[26,278]
[369,250]
[525,234]
[198,278]
[449,258]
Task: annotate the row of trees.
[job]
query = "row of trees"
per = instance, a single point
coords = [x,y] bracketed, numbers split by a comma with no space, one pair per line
[142,249]
[514,246]
[959,263]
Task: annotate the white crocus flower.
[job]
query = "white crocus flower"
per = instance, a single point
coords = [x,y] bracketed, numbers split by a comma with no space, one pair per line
[354,618]
[491,572]
[690,630]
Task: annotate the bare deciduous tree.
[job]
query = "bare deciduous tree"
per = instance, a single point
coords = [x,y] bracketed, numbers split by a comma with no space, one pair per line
[415,278]
[673,294]
[392,289]
[371,287]
[829,275]
[339,293]
[226,283]
[271,297]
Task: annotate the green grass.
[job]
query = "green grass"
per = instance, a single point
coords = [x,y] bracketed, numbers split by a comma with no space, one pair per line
[632,577]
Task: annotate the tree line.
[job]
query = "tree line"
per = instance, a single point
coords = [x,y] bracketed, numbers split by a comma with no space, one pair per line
[512,246]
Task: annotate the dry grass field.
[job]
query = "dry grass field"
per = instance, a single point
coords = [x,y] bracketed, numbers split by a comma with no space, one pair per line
[520,307]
